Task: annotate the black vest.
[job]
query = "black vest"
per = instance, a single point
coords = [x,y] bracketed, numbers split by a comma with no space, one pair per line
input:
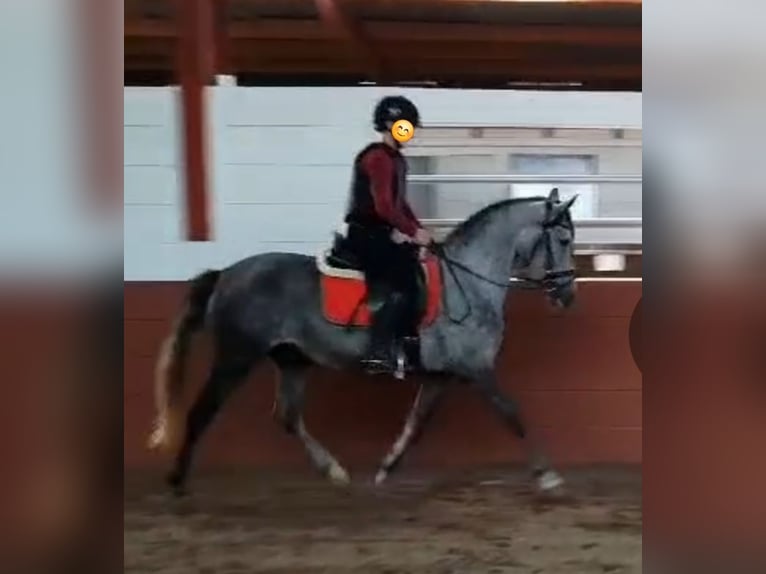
[361,206]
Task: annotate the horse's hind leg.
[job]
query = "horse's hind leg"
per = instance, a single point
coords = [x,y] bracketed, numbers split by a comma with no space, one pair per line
[289,409]
[548,480]
[226,375]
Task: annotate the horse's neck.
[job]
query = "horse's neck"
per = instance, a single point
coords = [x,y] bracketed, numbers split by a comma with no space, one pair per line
[489,251]
[490,248]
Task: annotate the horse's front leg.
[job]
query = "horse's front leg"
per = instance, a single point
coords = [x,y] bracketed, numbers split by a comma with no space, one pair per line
[423,406]
[548,480]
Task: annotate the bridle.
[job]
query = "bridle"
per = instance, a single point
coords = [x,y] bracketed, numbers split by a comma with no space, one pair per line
[548,283]
[551,275]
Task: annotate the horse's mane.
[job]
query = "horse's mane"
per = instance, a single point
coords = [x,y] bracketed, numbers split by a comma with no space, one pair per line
[469,226]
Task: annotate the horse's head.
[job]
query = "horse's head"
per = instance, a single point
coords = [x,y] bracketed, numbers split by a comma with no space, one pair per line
[545,253]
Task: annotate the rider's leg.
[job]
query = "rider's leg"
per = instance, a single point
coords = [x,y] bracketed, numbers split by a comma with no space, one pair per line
[395,319]
[409,268]
[393,273]
[385,323]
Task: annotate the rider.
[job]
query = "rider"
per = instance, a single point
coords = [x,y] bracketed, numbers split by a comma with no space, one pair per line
[383,231]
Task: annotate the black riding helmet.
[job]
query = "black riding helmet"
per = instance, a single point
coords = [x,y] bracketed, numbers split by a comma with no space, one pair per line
[393,109]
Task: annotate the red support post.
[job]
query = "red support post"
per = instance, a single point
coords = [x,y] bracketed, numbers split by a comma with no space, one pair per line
[223,55]
[195,56]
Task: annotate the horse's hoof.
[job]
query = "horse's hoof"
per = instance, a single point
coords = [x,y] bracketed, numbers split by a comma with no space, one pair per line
[176,485]
[381,477]
[338,475]
[179,493]
[550,483]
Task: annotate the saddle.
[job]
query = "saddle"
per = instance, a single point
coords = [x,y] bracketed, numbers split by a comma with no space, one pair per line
[348,300]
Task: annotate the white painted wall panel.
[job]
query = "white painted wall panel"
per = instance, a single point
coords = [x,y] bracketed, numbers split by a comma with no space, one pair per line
[529,109]
[149,106]
[352,105]
[153,216]
[149,225]
[281,159]
[263,184]
[152,185]
[294,145]
[274,223]
[150,145]
[170,261]
[298,106]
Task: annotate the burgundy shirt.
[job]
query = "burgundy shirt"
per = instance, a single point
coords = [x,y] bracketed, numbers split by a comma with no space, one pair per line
[379,190]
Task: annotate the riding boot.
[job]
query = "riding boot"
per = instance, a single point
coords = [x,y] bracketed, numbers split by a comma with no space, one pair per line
[381,356]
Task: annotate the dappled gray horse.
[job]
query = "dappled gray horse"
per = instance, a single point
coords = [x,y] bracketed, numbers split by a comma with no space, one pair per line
[269,306]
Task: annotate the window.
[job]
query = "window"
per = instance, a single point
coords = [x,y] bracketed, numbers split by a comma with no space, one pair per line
[526,151]
[455,200]
[545,164]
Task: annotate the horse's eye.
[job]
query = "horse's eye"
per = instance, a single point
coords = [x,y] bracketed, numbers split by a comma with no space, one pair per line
[565,240]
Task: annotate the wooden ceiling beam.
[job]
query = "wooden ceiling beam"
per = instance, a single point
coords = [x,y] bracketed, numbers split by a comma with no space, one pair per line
[276,29]
[344,26]
[551,3]
[306,30]
[295,49]
[503,33]
[150,63]
[419,69]
[139,29]
[441,60]
[149,45]
[221,39]
[428,32]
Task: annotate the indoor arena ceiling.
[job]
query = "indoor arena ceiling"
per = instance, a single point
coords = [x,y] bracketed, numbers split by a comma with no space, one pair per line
[471,43]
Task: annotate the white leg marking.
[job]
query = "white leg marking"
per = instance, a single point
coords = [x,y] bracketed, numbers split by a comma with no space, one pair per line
[381,477]
[396,451]
[322,458]
[338,475]
[550,480]
[158,437]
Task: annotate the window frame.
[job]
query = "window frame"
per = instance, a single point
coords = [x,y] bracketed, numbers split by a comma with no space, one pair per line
[508,142]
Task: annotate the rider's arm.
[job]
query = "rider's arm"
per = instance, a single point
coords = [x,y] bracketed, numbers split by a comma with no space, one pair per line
[411,214]
[380,169]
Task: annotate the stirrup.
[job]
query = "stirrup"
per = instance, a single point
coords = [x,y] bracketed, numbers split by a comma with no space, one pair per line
[401,363]
[395,365]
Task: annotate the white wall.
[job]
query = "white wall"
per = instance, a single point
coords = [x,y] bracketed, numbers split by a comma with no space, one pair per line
[498,150]
[281,160]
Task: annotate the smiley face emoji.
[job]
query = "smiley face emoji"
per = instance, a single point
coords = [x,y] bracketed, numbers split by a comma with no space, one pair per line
[402,131]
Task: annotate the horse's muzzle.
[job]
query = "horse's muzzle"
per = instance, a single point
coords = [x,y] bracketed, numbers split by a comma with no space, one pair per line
[564,296]
[561,289]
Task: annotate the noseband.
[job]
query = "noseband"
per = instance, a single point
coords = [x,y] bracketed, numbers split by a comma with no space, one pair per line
[549,281]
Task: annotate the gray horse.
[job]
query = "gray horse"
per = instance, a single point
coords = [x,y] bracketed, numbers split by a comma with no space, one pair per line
[268,306]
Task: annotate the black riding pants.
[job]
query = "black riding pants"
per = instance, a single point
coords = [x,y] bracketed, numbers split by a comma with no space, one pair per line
[392,269]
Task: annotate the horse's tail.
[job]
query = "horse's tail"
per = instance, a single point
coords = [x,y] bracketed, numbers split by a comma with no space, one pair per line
[170,368]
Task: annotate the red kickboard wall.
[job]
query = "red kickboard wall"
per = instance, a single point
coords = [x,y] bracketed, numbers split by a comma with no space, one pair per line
[572,373]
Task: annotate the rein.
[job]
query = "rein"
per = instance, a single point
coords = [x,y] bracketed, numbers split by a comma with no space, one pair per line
[546,282]
[438,250]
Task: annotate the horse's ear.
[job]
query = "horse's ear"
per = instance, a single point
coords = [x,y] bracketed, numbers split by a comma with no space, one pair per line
[553,197]
[557,211]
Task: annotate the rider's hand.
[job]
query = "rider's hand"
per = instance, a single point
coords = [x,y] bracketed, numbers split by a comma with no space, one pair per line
[399,237]
[423,237]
